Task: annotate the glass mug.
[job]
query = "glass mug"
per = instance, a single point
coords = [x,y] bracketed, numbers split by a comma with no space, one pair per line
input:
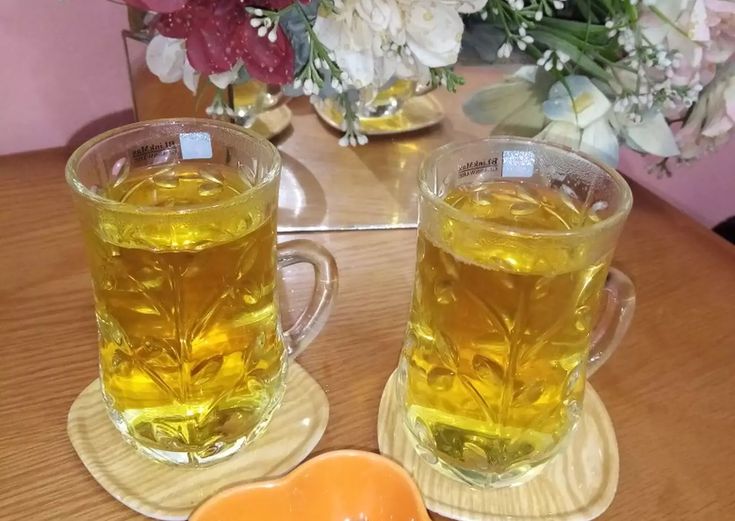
[387,100]
[251,98]
[179,222]
[514,304]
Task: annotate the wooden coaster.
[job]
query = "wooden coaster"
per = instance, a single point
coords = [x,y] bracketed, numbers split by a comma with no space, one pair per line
[170,493]
[578,484]
[416,113]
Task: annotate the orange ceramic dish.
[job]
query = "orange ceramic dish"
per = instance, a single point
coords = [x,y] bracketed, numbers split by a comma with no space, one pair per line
[345,485]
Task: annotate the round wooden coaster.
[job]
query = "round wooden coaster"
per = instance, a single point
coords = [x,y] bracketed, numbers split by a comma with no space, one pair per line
[171,493]
[578,484]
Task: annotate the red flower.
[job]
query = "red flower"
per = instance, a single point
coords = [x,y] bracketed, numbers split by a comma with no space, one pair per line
[218,33]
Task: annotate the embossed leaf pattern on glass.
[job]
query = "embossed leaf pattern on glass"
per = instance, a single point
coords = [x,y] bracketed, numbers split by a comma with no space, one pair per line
[501,353]
[190,352]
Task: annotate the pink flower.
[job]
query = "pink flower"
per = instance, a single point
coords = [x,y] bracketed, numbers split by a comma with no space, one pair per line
[708,39]
[721,21]
[218,33]
[713,118]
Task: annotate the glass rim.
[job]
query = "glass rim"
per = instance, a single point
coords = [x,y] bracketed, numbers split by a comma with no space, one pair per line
[81,151]
[429,163]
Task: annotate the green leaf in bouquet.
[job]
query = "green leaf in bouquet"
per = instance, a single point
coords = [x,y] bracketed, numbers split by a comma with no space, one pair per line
[584,31]
[480,43]
[584,62]
[512,107]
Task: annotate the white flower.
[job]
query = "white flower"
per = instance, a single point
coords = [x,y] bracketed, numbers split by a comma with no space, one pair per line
[166,58]
[580,121]
[190,77]
[551,59]
[587,104]
[223,79]
[598,140]
[350,38]
[652,135]
[434,32]
[374,40]
[597,127]
[505,50]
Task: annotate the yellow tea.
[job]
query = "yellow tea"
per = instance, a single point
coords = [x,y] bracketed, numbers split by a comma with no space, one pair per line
[191,357]
[253,96]
[494,362]
[398,91]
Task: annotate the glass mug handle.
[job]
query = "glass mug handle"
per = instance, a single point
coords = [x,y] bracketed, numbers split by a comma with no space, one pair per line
[618,305]
[313,318]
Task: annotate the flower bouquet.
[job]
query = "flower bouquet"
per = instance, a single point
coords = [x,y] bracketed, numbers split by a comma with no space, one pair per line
[326,48]
[657,75]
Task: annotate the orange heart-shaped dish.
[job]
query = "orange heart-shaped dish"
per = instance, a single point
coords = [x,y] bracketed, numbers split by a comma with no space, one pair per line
[335,486]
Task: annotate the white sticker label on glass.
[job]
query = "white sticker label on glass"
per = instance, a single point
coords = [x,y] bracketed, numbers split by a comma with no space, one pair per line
[518,163]
[195,145]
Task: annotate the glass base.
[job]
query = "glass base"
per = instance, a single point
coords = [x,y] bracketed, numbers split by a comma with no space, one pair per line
[190,459]
[512,478]
[209,456]
[515,476]
[214,454]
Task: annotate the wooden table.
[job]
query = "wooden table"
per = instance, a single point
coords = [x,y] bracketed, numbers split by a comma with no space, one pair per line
[668,388]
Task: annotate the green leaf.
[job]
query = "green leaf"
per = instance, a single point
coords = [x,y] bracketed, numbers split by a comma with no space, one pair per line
[581,59]
[513,107]
[586,9]
[580,30]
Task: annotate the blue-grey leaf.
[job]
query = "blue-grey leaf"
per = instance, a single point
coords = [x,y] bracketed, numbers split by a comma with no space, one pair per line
[293,24]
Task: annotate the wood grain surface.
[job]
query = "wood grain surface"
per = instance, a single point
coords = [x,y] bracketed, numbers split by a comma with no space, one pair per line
[668,389]
[577,485]
[171,493]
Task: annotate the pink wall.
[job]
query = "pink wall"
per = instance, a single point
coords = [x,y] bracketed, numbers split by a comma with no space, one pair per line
[704,189]
[64,75]
[64,79]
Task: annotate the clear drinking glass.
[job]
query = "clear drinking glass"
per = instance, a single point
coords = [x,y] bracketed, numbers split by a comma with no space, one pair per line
[514,304]
[179,222]
[380,102]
